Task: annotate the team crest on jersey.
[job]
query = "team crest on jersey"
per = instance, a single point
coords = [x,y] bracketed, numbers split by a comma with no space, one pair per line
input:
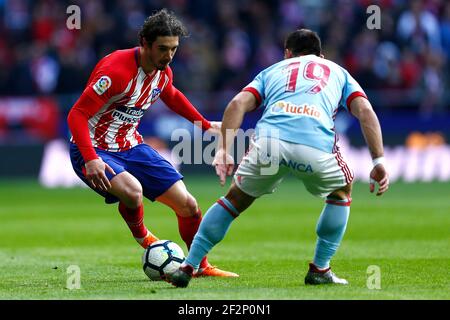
[102,85]
[155,94]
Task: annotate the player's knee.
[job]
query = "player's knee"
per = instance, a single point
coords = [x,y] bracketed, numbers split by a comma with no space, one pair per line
[239,199]
[133,196]
[189,207]
[344,193]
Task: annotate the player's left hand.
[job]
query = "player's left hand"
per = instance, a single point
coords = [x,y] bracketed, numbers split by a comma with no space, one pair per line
[224,164]
[379,175]
[215,127]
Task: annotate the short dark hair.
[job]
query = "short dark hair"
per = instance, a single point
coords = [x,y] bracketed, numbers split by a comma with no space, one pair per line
[302,42]
[161,24]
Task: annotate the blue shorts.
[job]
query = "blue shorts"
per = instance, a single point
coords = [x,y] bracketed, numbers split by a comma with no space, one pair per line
[155,173]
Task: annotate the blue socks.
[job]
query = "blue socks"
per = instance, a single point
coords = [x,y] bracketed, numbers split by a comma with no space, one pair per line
[330,230]
[217,220]
[212,230]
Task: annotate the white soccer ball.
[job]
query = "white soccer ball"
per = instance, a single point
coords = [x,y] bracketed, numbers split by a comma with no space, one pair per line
[161,258]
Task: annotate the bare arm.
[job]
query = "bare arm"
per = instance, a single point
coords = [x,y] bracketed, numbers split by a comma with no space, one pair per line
[77,120]
[370,126]
[233,116]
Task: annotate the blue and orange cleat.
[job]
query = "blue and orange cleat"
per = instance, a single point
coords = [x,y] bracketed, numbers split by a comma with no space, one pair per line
[185,273]
[213,271]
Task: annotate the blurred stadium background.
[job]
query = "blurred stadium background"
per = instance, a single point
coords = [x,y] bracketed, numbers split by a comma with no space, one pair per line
[404,68]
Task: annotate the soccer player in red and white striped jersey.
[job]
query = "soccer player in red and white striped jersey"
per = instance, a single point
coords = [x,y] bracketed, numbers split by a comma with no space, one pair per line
[107,151]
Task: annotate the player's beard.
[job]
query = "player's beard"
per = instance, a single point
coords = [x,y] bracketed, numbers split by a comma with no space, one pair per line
[162,65]
[159,65]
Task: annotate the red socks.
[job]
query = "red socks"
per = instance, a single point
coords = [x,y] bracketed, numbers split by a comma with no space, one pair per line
[188,227]
[134,219]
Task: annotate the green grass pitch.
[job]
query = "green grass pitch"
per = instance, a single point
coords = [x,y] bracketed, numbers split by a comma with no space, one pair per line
[406,233]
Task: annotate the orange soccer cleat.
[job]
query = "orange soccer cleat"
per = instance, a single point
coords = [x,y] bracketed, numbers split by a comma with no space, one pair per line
[213,271]
[148,240]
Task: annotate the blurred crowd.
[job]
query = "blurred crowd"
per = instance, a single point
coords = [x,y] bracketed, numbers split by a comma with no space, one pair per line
[230,42]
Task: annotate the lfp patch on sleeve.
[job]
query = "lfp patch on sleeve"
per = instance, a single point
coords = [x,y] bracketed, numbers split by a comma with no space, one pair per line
[102,85]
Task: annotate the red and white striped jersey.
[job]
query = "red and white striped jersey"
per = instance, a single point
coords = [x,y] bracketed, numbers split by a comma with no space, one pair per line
[116,97]
[126,92]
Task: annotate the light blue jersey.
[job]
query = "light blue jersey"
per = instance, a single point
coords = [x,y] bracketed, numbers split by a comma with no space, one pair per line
[301,97]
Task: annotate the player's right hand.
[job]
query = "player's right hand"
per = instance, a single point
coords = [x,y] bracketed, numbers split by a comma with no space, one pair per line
[215,128]
[95,174]
[224,165]
[379,175]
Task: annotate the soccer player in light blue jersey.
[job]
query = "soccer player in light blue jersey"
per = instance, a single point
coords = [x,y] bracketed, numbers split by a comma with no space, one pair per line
[301,96]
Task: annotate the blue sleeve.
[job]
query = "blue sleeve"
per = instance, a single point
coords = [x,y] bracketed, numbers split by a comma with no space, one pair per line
[351,90]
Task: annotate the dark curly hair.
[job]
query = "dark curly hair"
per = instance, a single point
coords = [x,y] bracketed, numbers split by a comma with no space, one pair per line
[302,42]
[161,24]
